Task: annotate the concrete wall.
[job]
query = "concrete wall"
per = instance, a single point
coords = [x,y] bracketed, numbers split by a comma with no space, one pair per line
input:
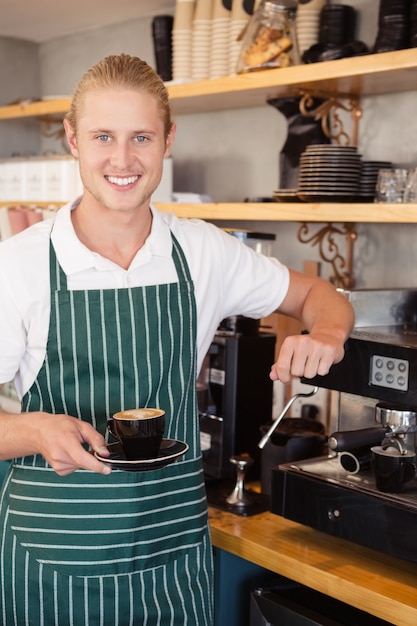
[232,155]
[19,78]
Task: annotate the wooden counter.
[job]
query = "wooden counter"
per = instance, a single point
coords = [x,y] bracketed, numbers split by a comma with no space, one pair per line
[376,583]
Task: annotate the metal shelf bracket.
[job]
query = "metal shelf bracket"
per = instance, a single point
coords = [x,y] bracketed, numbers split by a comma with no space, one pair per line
[329,249]
[328,113]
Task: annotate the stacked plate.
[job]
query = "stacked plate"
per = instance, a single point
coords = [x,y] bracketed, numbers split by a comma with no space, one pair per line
[329,173]
[369,178]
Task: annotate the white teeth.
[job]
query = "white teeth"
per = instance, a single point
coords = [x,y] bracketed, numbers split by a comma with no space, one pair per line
[122,181]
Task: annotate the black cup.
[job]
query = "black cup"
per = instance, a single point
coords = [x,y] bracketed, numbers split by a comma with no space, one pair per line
[391,468]
[162,26]
[139,432]
[355,461]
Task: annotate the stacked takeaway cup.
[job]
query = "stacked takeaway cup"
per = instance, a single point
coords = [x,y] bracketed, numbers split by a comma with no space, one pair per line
[181,40]
[201,40]
[220,40]
[307,23]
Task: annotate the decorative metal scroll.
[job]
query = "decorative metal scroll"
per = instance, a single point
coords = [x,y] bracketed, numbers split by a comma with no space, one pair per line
[330,252]
[328,113]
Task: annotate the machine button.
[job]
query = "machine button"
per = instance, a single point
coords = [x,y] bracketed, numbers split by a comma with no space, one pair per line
[389,372]
[333,514]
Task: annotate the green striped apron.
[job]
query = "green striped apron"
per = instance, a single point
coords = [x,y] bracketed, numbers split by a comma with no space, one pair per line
[129,548]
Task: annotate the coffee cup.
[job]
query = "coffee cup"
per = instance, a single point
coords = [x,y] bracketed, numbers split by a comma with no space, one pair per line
[139,432]
[355,461]
[392,468]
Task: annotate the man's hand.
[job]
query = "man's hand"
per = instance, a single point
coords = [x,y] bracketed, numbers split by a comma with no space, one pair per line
[327,316]
[306,355]
[58,438]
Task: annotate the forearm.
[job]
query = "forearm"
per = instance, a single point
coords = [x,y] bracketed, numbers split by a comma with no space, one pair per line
[327,316]
[325,310]
[19,434]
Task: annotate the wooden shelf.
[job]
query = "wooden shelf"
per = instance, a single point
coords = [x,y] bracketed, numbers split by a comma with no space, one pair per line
[365,213]
[373,74]
[297,212]
[39,108]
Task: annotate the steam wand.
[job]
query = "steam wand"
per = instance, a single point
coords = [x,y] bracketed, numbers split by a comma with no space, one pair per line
[289,404]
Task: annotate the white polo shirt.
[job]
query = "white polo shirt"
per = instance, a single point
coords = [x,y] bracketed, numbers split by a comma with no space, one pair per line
[229,279]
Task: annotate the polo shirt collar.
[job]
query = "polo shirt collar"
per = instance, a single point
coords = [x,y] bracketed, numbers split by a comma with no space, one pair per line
[75,257]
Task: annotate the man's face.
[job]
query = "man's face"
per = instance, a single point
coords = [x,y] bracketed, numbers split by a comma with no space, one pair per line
[120,145]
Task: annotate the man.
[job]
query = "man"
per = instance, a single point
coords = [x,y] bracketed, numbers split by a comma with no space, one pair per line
[112,306]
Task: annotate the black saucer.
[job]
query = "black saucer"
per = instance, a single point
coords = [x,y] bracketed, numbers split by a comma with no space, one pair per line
[170,451]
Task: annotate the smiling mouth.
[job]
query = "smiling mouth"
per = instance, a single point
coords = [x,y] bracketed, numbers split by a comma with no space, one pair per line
[122,182]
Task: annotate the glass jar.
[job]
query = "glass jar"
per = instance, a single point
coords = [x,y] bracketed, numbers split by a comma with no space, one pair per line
[270,39]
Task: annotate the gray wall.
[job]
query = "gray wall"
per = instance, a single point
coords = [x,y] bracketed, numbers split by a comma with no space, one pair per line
[19,78]
[232,155]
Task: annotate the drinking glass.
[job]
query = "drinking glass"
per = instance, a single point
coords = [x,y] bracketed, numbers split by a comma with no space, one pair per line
[391,184]
[410,192]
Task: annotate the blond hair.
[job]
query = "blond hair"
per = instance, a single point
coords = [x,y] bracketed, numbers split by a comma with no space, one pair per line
[121,71]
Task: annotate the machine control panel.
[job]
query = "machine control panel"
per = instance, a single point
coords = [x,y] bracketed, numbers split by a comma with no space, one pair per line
[389,372]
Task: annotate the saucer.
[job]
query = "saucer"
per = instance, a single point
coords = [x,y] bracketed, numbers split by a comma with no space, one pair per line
[170,451]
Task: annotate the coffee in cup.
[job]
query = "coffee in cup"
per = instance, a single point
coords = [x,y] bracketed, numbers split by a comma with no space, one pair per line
[392,468]
[139,432]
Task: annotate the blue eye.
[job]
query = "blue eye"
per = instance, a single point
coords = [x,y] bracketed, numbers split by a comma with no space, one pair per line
[103,137]
[140,138]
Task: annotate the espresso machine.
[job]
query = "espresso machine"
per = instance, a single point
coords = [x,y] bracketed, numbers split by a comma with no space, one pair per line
[374,403]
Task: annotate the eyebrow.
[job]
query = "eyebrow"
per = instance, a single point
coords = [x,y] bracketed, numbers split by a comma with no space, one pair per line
[107,131]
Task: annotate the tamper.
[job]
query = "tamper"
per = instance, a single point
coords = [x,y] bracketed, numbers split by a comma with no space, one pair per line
[239,496]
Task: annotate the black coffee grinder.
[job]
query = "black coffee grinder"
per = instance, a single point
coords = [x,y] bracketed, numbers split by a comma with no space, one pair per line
[234,389]
[235,399]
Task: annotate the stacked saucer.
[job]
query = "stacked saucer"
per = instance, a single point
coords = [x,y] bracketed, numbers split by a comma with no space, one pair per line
[329,173]
[369,178]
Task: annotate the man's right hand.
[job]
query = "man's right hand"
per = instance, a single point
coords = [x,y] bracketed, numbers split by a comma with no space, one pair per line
[58,438]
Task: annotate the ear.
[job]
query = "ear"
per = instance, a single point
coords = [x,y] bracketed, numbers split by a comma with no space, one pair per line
[170,140]
[71,138]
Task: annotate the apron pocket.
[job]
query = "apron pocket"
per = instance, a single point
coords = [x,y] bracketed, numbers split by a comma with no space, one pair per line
[87,524]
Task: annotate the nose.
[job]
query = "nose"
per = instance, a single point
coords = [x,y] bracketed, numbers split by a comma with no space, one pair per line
[121,156]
